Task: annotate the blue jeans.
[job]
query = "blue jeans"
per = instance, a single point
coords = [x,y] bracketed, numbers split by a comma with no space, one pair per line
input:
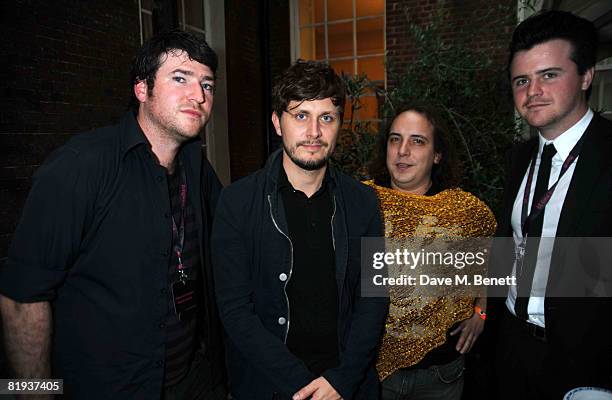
[438,382]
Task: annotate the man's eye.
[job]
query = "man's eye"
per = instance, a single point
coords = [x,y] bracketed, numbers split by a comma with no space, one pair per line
[393,139]
[301,116]
[179,79]
[418,140]
[520,82]
[208,87]
[328,118]
[550,75]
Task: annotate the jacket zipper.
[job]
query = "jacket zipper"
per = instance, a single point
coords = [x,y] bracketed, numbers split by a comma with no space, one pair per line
[290,269]
[332,225]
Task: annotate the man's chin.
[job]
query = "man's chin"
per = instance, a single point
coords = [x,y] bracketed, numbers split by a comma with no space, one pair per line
[310,164]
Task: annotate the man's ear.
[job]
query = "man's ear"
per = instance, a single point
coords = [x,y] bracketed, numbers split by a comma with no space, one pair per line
[437,158]
[276,123]
[141,91]
[587,78]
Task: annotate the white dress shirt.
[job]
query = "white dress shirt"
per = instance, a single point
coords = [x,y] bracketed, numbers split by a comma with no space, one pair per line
[564,144]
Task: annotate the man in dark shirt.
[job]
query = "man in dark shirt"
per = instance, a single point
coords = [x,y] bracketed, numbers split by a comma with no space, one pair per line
[108,278]
[286,251]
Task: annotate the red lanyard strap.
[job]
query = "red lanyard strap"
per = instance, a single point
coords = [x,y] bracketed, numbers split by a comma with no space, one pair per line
[539,205]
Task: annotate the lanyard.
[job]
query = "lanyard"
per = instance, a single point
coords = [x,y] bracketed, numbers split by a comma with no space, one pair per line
[179,232]
[538,206]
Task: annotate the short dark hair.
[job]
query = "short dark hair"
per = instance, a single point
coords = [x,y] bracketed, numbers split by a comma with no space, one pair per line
[555,24]
[445,174]
[148,59]
[307,80]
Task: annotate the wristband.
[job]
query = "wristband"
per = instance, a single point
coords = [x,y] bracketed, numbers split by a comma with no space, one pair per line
[481,313]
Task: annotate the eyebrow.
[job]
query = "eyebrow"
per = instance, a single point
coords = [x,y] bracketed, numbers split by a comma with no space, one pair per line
[540,72]
[410,135]
[191,73]
[301,111]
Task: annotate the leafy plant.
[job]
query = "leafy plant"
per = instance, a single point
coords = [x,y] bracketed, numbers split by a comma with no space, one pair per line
[466,82]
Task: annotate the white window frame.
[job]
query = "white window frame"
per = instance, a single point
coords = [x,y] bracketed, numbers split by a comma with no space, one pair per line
[217,143]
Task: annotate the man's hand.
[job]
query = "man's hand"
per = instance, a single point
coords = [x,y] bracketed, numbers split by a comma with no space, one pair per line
[319,389]
[470,329]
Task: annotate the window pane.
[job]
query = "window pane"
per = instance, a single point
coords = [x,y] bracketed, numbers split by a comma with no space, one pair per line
[339,9]
[607,91]
[194,13]
[311,11]
[343,66]
[347,113]
[340,38]
[312,43]
[373,67]
[370,7]
[147,26]
[370,36]
[369,108]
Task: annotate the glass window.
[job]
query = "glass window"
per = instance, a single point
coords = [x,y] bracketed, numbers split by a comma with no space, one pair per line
[146,20]
[349,35]
[601,94]
[191,17]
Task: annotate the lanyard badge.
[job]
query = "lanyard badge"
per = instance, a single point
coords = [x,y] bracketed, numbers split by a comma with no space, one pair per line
[184,290]
[539,205]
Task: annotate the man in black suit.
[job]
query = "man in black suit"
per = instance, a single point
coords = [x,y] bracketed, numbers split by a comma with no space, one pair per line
[559,184]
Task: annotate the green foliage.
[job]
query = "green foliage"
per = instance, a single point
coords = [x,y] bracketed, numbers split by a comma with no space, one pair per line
[357,140]
[453,75]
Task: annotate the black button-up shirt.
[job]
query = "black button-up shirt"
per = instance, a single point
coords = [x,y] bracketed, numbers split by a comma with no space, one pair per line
[312,289]
[95,240]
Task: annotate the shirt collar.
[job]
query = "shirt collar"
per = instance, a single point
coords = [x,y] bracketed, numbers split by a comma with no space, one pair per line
[283,180]
[132,135]
[565,142]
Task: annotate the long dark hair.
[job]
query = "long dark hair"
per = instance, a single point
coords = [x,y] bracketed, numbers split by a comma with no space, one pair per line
[445,174]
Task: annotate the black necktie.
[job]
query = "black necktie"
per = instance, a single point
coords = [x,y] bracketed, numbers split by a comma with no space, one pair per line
[525,275]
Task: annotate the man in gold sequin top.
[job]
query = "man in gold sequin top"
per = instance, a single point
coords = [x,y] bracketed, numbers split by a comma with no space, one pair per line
[422,350]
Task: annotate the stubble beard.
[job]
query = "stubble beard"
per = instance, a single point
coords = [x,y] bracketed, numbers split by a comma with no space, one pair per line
[307,165]
[169,125]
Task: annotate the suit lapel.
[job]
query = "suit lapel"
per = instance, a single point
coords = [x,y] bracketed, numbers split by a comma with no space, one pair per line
[520,158]
[586,174]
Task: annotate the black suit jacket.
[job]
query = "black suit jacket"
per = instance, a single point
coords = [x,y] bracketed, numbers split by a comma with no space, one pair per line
[579,330]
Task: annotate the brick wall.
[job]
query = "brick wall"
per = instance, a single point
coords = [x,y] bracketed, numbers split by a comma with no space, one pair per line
[66,65]
[493,35]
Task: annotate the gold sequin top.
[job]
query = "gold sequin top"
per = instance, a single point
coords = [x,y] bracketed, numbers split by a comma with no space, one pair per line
[418,324]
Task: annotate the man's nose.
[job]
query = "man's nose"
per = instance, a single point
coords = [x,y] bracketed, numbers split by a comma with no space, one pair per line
[197,93]
[404,148]
[534,88]
[314,130]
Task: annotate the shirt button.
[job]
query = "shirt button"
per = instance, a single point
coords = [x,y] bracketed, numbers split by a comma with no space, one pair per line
[283,277]
[162,290]
[166,215]
[282,321]
[159,363]
[165,253]
[162,325]
[159,179]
